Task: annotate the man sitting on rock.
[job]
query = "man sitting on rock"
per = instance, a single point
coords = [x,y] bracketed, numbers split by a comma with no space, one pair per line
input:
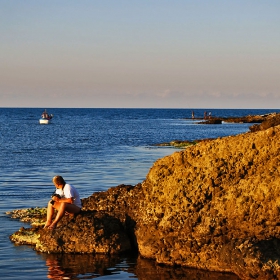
[66,199]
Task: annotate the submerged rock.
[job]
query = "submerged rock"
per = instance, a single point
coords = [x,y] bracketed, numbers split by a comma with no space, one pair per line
[214,206]
[34,216]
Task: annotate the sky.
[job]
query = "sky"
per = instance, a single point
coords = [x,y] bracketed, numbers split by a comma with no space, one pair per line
[140,54]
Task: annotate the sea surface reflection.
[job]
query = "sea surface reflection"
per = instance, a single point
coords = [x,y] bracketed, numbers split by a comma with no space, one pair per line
[68,266]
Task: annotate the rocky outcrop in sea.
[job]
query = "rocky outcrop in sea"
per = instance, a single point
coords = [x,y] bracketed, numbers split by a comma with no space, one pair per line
[213,206]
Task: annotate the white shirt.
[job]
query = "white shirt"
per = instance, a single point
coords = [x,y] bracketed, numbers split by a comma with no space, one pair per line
[70,191]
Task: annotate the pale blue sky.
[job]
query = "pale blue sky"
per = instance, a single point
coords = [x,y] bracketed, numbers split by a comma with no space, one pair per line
[154,53]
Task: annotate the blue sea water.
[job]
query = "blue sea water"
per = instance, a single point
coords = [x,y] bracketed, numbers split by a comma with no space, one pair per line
[93,149]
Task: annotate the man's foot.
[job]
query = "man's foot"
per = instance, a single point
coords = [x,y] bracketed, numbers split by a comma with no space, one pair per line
[52,226]
[47,224]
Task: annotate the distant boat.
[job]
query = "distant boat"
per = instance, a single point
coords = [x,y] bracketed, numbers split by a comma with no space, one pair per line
[45,118]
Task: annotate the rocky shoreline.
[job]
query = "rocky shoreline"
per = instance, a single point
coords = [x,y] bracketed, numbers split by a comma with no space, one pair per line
[213,206]
[245,119]
[260,122]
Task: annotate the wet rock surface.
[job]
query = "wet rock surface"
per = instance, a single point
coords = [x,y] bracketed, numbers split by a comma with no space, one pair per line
[213,206]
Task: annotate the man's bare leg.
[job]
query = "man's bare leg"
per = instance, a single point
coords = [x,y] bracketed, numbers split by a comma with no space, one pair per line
[63,207]
[50,211]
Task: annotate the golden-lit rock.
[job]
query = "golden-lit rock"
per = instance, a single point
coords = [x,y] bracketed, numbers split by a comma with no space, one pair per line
[213,206]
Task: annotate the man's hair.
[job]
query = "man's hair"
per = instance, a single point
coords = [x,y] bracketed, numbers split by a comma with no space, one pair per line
[58,180]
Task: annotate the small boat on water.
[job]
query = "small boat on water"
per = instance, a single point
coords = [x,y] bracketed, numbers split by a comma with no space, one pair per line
[44,121]
[45,118]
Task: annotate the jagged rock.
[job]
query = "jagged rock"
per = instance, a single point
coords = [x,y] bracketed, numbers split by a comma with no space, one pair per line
[270,121]
[214,206]
[89,232]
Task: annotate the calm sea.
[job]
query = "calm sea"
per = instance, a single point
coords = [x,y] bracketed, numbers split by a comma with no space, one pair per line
[93,149]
